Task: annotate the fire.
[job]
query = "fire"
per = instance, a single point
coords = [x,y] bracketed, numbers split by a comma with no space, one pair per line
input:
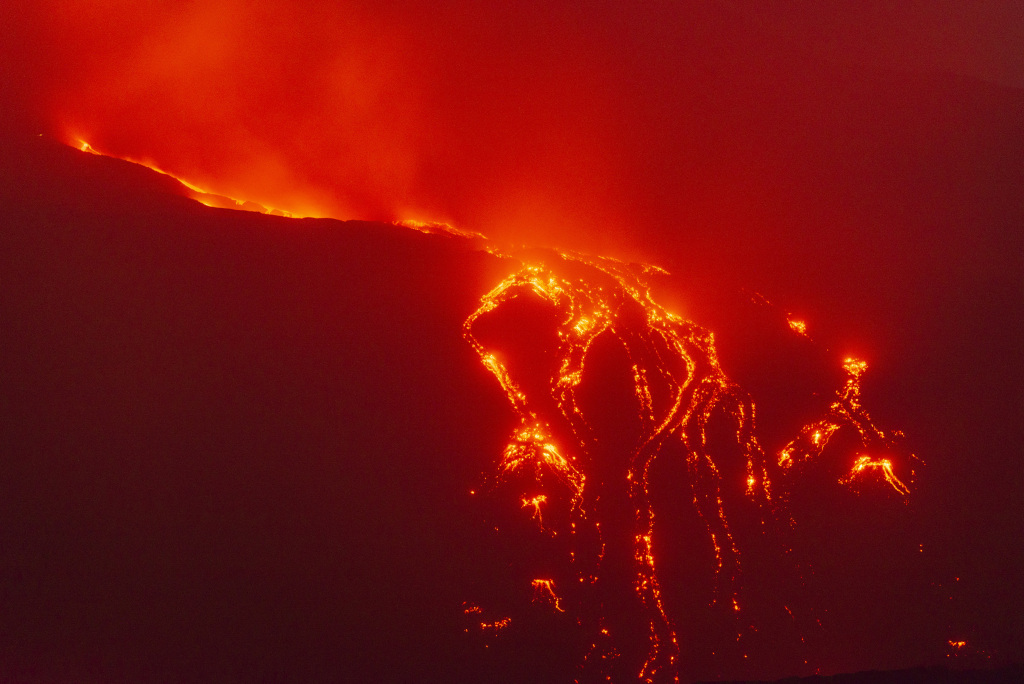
[438,228]
[490,628]
[497,625]
[968,653]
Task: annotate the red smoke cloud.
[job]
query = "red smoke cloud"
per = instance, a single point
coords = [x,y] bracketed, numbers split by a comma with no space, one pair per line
[776,148]
[344,111]
[600,126]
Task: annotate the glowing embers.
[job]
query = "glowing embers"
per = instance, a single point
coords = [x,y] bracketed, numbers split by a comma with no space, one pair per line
[968,654]
[495,626]
[847,412]
[799,327]
[531,447]
[438,228]
[544,593]
[491,628]
[866,464]
[534,505]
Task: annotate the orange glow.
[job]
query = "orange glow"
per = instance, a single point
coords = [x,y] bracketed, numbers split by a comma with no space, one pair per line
[799,327]
[534,503]
[883,465]
[677,385]
[961,649]
[490,628]
[597,304]
[438,228]
[544,592]
[496,626]
[846,411]
[855,367]
[207,197]
[705,135]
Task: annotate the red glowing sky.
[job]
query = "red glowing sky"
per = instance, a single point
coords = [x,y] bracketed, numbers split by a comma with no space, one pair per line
[574,124]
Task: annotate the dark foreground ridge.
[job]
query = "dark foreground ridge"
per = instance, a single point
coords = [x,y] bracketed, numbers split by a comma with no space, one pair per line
[236,447]
[916,675]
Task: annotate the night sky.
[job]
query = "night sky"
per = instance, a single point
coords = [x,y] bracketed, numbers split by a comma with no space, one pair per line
[239,447]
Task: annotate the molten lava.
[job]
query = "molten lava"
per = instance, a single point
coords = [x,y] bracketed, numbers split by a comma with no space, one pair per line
[679,389]
[575,480]
[201,195]
[847,411]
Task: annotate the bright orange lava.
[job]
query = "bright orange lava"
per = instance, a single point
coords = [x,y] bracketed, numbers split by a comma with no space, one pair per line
[203,196]
[677,383]
[846,411]
[544,592]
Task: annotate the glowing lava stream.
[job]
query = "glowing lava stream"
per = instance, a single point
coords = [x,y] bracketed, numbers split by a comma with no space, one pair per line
[846,410]
[201,195]
[222,201]
[678,385]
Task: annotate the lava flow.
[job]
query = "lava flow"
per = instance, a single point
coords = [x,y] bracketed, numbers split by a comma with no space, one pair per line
[585,460]
[847,410]
[680,396]
[202,195]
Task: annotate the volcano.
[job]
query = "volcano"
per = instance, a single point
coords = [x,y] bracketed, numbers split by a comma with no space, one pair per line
[244,447]
[730,390]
